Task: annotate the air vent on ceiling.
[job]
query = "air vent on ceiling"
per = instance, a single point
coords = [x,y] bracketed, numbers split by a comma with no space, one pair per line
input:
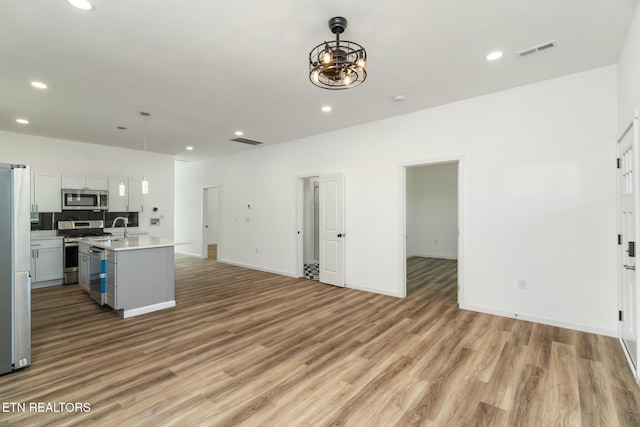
[247,141]
[536,49]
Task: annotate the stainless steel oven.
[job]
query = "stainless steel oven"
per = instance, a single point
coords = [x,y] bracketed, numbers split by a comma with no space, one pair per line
[85,200]
[72,231]
[70,262]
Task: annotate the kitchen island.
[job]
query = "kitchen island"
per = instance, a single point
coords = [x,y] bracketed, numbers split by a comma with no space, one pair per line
[133,275]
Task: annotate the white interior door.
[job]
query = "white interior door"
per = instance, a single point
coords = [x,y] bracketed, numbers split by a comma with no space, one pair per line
[332,229]
[628,208]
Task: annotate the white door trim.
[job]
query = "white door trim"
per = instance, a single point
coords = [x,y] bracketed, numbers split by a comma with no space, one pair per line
[460,159]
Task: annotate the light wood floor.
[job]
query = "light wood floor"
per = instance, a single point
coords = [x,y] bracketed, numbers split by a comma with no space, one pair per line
[244,347]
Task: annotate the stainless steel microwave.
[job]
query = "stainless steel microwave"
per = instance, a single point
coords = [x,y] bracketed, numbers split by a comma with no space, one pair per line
[85,200]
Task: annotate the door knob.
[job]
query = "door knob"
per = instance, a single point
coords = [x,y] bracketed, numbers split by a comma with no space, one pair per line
[630,267]
[340,235]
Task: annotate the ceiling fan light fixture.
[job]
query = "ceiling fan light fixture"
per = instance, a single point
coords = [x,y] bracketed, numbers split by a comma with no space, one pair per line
[338,64]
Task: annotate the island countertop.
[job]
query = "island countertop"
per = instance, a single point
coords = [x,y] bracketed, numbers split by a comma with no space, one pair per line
[130,243]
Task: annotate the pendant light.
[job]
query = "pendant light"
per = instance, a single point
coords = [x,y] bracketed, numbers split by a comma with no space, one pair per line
[122,187]
[145,181]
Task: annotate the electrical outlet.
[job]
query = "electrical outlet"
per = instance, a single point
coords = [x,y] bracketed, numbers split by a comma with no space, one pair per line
[522,284]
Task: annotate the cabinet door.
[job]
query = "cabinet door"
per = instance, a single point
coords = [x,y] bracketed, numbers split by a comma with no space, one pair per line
[117,203]
[47,192]
[49,264]
[73,182]
[83,271]
[97,183]
[33,265]
[135,195]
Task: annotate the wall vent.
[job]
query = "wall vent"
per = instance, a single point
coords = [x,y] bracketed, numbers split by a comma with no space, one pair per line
[247,141]
[536,49]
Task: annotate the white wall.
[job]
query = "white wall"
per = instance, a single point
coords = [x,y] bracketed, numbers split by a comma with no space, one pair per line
[75,158]
[628,74]
[432,211]
[539,201]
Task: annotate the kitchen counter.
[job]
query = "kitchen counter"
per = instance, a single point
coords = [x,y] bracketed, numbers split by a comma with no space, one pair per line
[130,243]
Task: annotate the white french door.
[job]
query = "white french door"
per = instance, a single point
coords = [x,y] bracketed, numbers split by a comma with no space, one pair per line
[628,208]
[332,229]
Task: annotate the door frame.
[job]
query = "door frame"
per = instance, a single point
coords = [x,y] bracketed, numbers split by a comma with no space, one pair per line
[204,252]
[460,160]
[631,127]
[298,231]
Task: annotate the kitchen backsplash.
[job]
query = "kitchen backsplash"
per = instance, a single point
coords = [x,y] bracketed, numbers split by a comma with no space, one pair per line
[49,220]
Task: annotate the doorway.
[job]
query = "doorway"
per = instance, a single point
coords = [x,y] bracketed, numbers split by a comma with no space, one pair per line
[432,229]
[320,231]
[210,221]
[311,227]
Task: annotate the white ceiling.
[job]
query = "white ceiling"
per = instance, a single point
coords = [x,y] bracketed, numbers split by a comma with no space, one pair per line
[205,69]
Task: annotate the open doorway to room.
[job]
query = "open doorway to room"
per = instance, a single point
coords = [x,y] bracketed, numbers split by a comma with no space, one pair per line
[210,216]
[432,228]
[320,228]
[311,227]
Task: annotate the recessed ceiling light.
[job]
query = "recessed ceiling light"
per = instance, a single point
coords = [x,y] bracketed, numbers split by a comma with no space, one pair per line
[22,121]
[239,133]
[81,4]
[189,148]
[326,108]
[399,98]
[494,55]
[39,85]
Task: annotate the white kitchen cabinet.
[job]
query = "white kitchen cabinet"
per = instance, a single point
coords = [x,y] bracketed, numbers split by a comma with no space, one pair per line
[112,298]
[135,195]
[83,266]
[47,267]
[140,280]
[47,194]
[131,201]
[85,182]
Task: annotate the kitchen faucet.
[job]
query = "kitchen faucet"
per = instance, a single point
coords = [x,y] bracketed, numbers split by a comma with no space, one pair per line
[125,220]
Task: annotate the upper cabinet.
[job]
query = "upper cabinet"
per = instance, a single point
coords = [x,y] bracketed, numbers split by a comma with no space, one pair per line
[47,194]
[135,195]
[85,182]
[131,201]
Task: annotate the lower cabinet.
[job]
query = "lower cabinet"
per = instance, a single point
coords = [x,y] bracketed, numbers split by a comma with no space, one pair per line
[83,266]
[112,283]
[47,266]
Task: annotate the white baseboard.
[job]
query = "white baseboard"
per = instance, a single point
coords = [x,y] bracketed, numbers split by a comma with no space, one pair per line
[439,256]
[46,284]
[148,309]
[188,254]
[255,267]
[542,320]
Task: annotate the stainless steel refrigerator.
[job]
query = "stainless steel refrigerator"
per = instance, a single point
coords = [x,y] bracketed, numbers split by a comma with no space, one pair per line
[15,282]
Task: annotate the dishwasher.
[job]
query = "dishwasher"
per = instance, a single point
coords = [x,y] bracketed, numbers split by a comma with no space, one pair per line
[97,275]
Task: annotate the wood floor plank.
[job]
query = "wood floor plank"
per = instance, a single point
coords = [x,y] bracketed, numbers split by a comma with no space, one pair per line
[245,347]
